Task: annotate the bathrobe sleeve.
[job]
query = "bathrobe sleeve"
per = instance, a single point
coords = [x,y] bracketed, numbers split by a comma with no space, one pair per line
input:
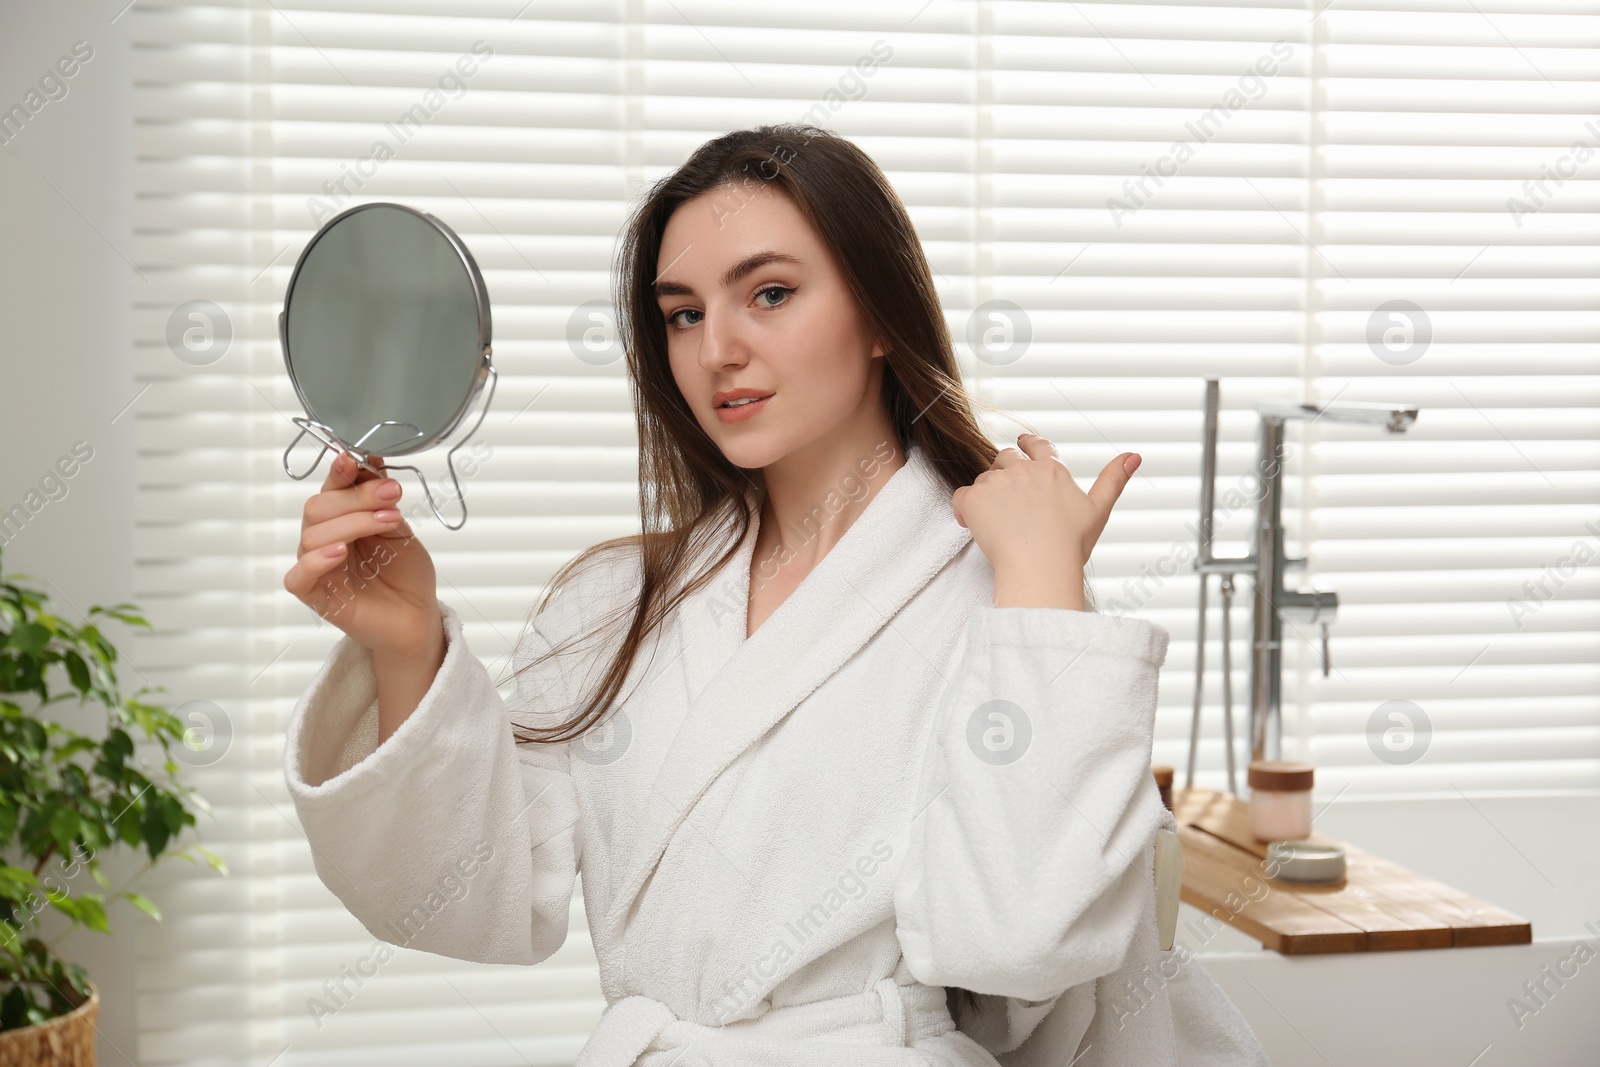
[449,837]
[1030,844]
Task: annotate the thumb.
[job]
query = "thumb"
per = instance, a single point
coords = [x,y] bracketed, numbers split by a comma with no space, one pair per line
[1114,477]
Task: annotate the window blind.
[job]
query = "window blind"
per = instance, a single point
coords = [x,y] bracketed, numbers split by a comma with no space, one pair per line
[1118,199]
[1452,198]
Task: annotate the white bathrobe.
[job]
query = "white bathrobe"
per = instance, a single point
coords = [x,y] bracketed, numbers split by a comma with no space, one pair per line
[790,843]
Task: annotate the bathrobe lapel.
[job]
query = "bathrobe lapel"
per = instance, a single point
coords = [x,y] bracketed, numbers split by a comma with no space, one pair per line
[741,688]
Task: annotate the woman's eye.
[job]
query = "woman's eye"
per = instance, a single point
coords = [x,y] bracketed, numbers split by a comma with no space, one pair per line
[673,318]
[774,289]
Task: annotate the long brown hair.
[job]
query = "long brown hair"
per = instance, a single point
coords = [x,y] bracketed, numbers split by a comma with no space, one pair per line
[690,495]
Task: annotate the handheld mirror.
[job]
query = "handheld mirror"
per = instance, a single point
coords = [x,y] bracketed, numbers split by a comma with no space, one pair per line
[385,333]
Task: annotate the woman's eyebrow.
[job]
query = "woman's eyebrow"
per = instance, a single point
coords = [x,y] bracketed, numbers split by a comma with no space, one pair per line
[746,265]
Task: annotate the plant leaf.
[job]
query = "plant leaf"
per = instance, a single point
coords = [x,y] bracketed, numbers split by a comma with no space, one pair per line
[15,882]
[77,671]
[143,904]
[64,827]
[92,912]
[30,638]
[154,824]
[216,861]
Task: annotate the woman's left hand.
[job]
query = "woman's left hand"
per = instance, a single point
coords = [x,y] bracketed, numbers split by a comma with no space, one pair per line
[1027,513]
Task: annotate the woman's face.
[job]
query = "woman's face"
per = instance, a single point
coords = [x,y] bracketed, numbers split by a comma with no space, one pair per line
[753,300]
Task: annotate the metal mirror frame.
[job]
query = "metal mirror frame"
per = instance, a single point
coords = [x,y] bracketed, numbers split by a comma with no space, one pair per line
[483,381]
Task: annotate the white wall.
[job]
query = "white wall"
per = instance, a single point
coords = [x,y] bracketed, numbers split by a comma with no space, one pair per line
[65,285]
[66,241]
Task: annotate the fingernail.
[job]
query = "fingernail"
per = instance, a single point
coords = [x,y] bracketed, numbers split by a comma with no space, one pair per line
[388,489]
[387,514]
[1131,464]
[336,549]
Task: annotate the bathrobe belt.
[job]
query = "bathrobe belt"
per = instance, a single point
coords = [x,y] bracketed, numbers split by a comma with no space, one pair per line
[889,1014]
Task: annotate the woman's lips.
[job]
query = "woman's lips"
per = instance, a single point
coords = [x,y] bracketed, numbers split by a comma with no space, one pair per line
[742,411]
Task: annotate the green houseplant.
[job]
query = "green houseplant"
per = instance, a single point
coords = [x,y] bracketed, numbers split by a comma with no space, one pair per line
[65,797]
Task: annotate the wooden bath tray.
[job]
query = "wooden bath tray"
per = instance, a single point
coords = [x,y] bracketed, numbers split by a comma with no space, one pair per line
[1379,905]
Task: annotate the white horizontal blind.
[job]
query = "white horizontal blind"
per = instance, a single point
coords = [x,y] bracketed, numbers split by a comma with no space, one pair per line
[1453,170]
[256,123]
[1144,182]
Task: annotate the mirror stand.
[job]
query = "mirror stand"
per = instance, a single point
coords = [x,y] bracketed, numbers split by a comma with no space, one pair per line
[330,442]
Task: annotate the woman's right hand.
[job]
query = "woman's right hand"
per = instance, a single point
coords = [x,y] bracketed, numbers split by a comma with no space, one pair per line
[361,567]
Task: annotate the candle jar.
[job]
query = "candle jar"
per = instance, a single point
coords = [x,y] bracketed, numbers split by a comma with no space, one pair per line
[1280,799]
[1163,776]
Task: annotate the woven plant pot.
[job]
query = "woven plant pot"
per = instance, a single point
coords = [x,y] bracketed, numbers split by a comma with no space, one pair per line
[65,1041]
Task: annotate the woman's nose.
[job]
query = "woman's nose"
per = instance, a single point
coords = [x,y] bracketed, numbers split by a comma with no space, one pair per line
[722,341]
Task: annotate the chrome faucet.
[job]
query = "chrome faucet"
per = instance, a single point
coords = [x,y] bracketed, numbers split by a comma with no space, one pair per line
[1272,604]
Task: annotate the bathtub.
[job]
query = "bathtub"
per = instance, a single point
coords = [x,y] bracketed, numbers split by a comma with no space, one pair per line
[1537,856]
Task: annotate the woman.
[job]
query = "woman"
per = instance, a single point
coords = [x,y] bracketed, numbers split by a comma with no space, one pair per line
[851,775]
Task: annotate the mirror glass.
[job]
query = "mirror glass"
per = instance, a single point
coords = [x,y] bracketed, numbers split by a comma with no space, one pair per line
[385,329]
